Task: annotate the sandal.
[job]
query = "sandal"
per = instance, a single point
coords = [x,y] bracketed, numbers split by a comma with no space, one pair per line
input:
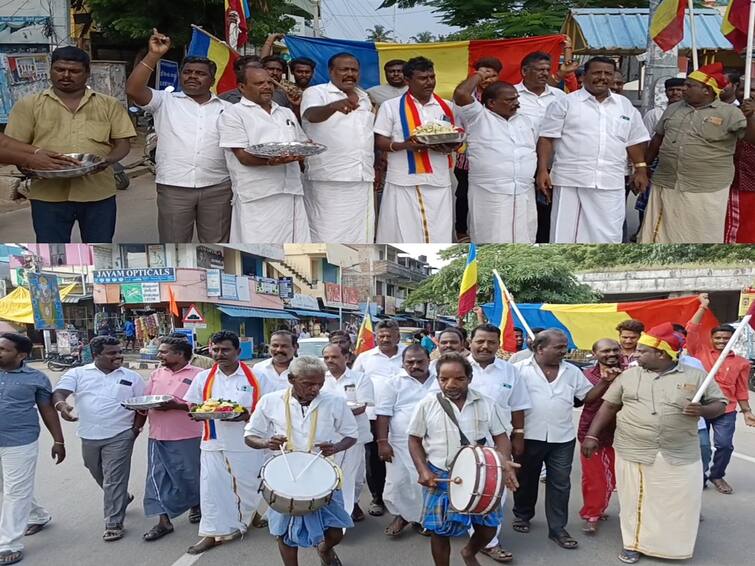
[11,557]
[396,526]
[111,535]
[33,528]
[421,530]
[564,540]
[629,556]
[203,546]
[376,508]
[521,526]
[331,559]
[590,527]
[157,532]
[498,554]
[357,515]
[722,487]
[195,516]
[259,522]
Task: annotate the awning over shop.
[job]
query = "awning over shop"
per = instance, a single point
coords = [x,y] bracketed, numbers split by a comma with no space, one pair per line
[244,312]
[313,314]
[16,305]
[73,299]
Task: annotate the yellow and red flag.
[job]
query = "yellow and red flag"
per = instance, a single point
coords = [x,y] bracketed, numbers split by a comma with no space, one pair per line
[735,22]
[667,26]
[366,336]
[502,316]
[469,286]
[237,13]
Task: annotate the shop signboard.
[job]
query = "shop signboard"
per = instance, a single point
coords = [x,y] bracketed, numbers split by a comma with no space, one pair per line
[338,296]
[46,305]
[151,292]
[209,258]
[136,275]
[267,286]
[213,283]
[746,298]
[228,287]
[135,293]
[286,288]
[242,289]
[299,301]
[166,75]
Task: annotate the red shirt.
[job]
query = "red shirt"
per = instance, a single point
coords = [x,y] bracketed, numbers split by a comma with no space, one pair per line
[605,438]
[734,374]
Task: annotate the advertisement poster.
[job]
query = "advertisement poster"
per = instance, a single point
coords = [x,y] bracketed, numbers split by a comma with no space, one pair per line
[228,283]
[286,288]
[45,302]
[151,292]
[267,286]
[242,289]
[132,293]
[213,283]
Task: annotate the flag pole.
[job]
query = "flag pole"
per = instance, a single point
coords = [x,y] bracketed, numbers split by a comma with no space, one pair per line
[207,33]
[695,62]
[748,53]
[515,308]
[721,358]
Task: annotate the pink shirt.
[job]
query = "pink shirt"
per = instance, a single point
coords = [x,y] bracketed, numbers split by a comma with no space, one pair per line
[172,425]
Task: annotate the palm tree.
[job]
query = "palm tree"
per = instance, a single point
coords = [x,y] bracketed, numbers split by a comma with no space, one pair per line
[423,37]
[379,34]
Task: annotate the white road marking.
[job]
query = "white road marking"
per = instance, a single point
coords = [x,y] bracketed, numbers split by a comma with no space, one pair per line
[743,457]
[187,560]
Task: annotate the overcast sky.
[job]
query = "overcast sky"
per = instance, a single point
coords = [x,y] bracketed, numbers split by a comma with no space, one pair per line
[348,19]
[429,250]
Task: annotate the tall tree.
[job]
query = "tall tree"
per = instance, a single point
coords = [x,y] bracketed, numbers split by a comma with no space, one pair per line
[423,37]
[379,34]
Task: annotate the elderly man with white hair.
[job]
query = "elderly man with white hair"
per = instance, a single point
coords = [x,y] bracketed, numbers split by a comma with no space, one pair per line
[304,418]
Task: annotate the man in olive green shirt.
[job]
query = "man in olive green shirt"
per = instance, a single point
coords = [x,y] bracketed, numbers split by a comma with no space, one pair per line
[69,117]
[695,141]
[657,447]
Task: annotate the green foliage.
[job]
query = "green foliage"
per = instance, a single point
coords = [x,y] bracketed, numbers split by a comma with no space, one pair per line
[273,20]
[423,37]
[379,34]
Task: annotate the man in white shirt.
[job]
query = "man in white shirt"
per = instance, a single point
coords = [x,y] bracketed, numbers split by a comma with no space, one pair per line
[379,364]
[304,417]
[273,372]
[338,188]
[674,88]
[417,204]
[452,339]
[268,199]
[502,162]
[193,186]
[359,393]
[549,435]
[106,429]
[434,441]
[395,406]
[229,481]
[396,84]
[587,136]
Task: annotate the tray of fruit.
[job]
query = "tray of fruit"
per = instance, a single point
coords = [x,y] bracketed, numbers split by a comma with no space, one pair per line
[217,409]
[439,133]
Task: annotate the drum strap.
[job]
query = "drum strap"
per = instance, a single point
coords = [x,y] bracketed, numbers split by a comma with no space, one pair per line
[290,425]
[446,406]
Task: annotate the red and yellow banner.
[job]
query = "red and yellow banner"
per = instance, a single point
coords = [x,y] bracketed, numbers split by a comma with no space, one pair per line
[667,26]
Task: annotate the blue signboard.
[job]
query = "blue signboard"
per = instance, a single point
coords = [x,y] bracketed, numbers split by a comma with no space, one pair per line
[228,284]
[189,333]
[45,302]
[140,275]
[167,75]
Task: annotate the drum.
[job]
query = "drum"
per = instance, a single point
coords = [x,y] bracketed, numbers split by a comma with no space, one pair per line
[477,481]
[301,495]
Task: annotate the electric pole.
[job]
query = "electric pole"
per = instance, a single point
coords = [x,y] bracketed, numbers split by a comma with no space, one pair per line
[659,66]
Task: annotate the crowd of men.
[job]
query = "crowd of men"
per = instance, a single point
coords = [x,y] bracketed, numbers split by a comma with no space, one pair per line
[538,164]
[393,420]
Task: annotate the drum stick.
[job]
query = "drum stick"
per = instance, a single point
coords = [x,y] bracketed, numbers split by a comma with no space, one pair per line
[288,466]
[456,480]
[312,461]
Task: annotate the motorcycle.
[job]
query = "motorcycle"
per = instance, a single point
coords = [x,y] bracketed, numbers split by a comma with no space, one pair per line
[145,121]
[57,362]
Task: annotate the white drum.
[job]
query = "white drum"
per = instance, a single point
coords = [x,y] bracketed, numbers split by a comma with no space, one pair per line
[477,480]
[315,478]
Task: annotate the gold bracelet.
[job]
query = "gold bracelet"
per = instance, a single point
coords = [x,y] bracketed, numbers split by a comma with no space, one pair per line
[145,64]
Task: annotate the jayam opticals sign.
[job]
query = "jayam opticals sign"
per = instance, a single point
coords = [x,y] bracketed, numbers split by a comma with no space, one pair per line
[141,275]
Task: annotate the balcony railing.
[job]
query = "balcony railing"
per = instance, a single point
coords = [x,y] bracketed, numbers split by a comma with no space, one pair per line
[399,271]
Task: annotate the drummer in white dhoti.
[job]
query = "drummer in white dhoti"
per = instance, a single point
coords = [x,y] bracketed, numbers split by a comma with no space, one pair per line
[434,440]
[338,190]
[359,393]
[273,372]
[229,473]
[417,204]
[268,199]
[304,417]
[502,162]
[394,407]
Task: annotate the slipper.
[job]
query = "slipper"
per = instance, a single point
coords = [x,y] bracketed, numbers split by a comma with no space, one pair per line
[357,515]
[590,527]
[376,509]
[195,517]
[157,532]
[259,522]
[393,530]
[564,540]
[629,556]
[722,487]
[34,528]
[11,557]
[521,526]
[498,554]
[112,535]
[331,560]
[203,546]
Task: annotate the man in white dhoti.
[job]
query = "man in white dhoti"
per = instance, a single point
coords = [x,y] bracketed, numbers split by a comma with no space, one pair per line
[395,406]
[268,199]
[657,447]
[273,372]
[338,182]
[502,162]
[303,417]
[587,136]
[229,470]
[359,393]
[417,203]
